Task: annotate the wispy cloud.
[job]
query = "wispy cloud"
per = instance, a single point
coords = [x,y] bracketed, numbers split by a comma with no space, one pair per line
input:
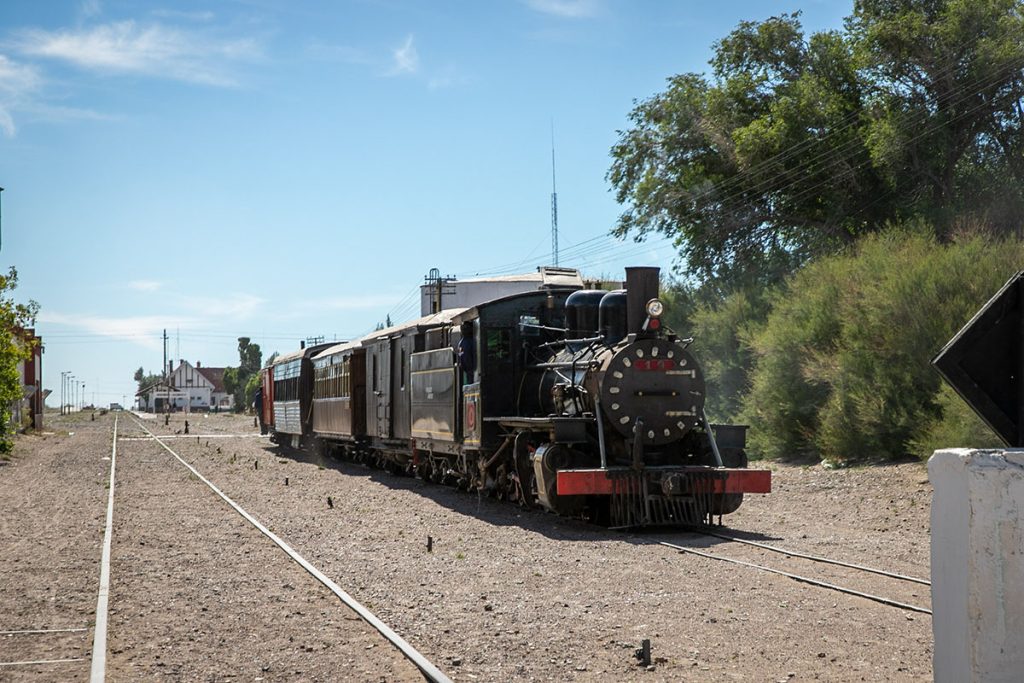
[153,50]
[449,77]
[338,53]
[346,303]
[194,313]
[90,8]
[569,9]
[18,84]
[201,16]
[143,330]
[405,59]
[234,306]
[144,285]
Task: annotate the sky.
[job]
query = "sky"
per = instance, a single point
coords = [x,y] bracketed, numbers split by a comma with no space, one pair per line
[283,170]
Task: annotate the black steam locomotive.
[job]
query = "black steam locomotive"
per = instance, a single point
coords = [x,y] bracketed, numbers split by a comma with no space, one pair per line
[578,401]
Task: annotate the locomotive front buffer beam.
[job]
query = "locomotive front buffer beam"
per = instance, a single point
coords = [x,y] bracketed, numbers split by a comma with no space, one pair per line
[672,480]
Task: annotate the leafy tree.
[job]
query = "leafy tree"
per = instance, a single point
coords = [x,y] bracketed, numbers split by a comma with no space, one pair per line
[945,118]
[237,381]
[14,318]
[144,380]
[794,146]
[231,383]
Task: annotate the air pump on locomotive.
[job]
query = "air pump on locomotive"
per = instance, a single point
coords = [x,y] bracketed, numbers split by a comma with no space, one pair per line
[578,401]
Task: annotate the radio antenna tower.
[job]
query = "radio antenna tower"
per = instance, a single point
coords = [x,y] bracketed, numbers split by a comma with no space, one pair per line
[554,201]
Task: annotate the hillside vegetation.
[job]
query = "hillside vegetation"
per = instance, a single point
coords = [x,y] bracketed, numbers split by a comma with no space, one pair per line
[835,362]
[843,202]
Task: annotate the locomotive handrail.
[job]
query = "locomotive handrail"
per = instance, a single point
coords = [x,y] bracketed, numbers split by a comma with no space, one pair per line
[562,365]
[562,330]
[711,437]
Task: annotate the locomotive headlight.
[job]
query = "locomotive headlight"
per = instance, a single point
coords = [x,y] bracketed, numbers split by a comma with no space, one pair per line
[655,308]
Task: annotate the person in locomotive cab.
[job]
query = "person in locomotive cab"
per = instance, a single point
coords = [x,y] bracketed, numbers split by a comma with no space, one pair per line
[467,353]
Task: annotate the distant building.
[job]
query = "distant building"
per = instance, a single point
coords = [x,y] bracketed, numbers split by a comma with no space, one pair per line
[439,293]
[28,412]
[188,388]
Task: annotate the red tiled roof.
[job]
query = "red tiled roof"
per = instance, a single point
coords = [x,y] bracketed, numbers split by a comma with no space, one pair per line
[215,375]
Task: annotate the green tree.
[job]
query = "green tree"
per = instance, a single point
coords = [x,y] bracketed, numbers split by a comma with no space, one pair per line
[239,381]
[945,118]
[731,165]
[794,145]
[14,318]
[144,379]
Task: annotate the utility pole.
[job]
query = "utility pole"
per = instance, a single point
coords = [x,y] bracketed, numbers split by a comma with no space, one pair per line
[439,286]
[63,376]
[554,202]
[164,371]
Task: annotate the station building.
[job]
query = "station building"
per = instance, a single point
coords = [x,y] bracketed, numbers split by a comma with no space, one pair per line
[187,388]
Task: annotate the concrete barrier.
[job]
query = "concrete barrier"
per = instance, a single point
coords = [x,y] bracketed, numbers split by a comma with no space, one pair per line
[978,564]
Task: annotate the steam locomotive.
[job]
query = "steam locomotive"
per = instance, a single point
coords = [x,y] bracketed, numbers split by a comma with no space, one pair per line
[577,401]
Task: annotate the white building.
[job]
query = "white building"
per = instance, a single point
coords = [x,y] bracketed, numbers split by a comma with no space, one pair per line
[438,293]
[188,388]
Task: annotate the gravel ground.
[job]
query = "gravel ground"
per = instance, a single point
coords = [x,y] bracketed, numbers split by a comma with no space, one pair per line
[505,594]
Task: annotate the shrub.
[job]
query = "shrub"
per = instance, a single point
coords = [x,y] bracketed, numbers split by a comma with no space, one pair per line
[843,362]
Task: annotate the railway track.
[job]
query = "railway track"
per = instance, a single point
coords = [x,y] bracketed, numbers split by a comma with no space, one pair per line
[815,559]
[99,652]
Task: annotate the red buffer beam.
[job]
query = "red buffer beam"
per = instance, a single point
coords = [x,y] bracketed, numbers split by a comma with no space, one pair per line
[591,482]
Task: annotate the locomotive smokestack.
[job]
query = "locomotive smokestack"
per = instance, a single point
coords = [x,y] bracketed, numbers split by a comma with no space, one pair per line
[641,286]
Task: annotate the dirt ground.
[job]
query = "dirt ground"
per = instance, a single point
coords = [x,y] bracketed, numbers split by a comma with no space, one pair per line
[505,594]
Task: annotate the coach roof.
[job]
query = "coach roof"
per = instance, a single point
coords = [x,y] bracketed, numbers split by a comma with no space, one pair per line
[444,317]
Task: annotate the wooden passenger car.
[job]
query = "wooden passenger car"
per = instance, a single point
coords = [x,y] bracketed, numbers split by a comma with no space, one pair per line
[291,395]
[339,392]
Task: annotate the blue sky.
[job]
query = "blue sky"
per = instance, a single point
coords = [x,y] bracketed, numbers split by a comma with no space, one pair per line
[289,169]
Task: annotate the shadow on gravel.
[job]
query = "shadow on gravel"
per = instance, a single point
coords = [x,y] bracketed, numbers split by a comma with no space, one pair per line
[501,513]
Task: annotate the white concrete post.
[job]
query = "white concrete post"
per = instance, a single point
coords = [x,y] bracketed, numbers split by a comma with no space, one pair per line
[978,564]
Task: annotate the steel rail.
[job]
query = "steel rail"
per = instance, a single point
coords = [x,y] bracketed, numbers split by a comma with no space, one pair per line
[802,579]
[426,667]
[98,671]
[42,630]
[817,558]
[197,436]
[36,662]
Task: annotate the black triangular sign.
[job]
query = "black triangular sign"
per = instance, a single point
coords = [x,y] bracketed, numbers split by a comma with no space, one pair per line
[984,361]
